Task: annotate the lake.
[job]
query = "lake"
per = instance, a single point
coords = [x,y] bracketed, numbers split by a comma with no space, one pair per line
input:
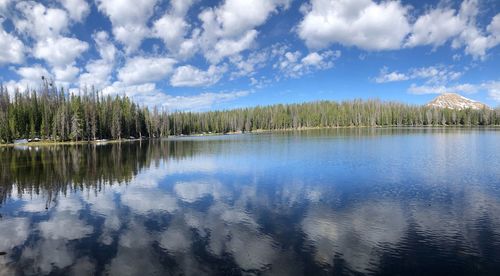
[392,201]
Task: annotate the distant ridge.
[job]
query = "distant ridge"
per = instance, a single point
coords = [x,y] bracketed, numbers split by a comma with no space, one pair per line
[455,101]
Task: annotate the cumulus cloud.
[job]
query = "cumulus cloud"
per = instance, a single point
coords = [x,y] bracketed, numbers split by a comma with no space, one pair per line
[173,27]
[230,28]
[30,77]
[191,76]
[4,5]
[33,73]
[494,27]
[12,47]
[230,46]
[145,69]
[475,41]
[441,24]
[40,22]
[128,19]
[77,9]
[98,71]
[386,25]
[435,27]
[66,74]
[362,23]
[59,51]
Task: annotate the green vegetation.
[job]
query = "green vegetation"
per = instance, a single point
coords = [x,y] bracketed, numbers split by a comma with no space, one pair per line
[62,169]
[51,114]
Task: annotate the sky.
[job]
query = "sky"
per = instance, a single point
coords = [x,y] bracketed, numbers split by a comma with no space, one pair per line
[203,55]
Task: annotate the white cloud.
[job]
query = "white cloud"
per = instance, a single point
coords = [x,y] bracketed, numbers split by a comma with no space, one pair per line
[432,75]
[312,59]
[493,89]
[191,76]
[435,74]
[230,28]
[320,59]
[229,46]
[235,17]
[98,74]
[203,101]
[440,89]
[386,76]
[248,66]
[66,74]
[105,47]
[40,22]
[147,94]
[59,51]
[99,71]
[172,28]
[129,18]
[144,93]
[13,49]
[494,27]
[474,39]
[30,77]
[145,69]
[283,60]
[362,23]
[77,9]
[4,5]
[34,72]
[435,28]
[439,25]
[293,64]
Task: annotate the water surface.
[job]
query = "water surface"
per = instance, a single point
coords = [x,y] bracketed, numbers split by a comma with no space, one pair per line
[345,201]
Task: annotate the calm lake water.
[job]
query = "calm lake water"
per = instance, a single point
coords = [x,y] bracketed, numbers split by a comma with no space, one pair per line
[345,201]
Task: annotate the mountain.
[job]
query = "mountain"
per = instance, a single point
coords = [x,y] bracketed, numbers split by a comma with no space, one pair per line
[455,101]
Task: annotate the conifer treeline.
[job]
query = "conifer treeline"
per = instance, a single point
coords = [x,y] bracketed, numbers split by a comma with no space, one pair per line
[51,114]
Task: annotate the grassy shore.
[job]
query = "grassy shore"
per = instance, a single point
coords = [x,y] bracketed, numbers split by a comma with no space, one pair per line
[255,131]
[69,143]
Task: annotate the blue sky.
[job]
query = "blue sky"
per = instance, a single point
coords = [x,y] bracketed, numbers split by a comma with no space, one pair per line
[202,55]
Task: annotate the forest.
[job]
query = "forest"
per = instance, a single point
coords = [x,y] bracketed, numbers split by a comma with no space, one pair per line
[50,113]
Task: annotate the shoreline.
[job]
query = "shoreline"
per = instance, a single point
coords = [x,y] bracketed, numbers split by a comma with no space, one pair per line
[44,143]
